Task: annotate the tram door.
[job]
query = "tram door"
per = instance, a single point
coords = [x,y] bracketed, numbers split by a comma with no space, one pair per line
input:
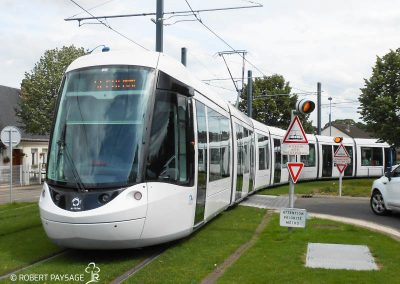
[202,163]
[278,157]
[327,160]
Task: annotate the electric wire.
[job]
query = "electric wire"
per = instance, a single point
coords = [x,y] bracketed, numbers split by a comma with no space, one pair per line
[94,7]
[221,39]
[108,26]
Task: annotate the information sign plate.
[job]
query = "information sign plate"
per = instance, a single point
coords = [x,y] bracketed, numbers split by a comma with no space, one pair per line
[295,149]
[293,217]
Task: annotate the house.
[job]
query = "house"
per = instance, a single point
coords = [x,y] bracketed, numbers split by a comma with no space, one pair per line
[348,131]
[31,153]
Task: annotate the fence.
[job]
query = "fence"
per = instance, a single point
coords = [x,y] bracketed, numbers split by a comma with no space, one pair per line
[21,175]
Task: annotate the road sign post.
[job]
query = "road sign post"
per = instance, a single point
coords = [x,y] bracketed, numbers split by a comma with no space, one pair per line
[341,158]
[10,136]
[294,143]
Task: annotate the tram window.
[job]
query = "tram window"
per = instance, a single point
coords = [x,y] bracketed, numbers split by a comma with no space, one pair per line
[309,160]
[169,159]
[240,157]
[219,133]
[371,156]
[263,153]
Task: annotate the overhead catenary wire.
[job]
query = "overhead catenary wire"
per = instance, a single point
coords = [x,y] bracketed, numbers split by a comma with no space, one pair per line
[108,26]
[221,39]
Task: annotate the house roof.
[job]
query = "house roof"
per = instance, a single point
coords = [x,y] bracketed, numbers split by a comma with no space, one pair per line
[9,99]
[352,131]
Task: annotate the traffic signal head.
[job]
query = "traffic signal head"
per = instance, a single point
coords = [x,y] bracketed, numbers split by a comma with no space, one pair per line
[337,139]
[305,106]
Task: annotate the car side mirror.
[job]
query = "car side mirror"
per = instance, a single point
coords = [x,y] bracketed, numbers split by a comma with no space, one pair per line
[388,174]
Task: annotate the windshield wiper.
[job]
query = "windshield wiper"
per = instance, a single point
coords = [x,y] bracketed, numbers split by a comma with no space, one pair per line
[62,147]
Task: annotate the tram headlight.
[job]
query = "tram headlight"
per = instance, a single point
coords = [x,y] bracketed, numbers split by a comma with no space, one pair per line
[137,195]
[104,198]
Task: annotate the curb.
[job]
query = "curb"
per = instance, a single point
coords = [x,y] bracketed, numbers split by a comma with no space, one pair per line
[361,223]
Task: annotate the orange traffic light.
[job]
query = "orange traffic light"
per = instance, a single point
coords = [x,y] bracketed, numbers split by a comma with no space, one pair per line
[305,106]
[338,139]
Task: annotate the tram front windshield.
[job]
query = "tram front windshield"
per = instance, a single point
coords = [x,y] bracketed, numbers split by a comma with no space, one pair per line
[97,137]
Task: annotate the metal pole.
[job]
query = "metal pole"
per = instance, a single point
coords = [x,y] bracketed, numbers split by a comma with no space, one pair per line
[159,25]
[330,116]
[292,158]
[11,163]
[319,108]
[340,184]
[184,56]
[249,94]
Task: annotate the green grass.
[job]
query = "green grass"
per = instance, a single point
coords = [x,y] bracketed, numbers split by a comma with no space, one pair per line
[192,260]
[279,256]
[22,238]
[112,263]
[350,187]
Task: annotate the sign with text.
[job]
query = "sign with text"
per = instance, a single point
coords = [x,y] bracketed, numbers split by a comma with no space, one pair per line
[341,156]
[293,217]
[295,140]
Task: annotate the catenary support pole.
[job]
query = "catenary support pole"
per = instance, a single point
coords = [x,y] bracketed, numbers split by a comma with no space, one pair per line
[319,108]
[159,25]
[183,56]
[11,165]
[249,93]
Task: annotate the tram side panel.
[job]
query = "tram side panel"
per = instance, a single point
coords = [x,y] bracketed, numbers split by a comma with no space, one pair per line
[279,169]
[327,148]
[310,161]
[262,165]
[215,158]
[371,157]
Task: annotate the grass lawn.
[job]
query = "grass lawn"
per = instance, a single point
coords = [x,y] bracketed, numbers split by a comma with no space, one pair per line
[350,187]
[22,238]
[192,260]
[279,256]
[112,263]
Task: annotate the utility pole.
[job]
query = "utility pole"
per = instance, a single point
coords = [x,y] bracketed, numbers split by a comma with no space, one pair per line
[319,108]
[183,56]
[159,25]
[249,94]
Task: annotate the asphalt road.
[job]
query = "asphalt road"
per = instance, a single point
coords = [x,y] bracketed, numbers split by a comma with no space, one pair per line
[350,207]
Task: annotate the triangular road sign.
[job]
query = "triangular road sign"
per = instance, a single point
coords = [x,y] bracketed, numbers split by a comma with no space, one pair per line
[295,170]
[341,152]
[341,167]
[295,133]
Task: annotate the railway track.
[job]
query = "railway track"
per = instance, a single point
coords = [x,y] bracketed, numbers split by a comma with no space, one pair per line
[153,256]
[9,275]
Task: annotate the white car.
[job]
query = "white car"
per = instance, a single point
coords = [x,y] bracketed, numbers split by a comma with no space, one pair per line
[385,192]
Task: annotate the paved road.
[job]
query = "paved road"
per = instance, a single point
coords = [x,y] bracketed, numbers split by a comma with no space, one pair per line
[20,194]
[356,208]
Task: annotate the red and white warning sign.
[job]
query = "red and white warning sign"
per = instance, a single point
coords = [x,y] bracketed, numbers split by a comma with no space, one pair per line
[295,140]
[341,156]
[341,167]
[295,170]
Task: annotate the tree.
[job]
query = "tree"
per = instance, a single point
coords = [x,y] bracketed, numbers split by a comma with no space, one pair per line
[273,110]
[380,98]
[347,121]
[39,89]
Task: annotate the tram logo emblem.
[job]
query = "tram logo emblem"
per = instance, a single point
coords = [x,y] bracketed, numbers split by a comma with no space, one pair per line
[76,202]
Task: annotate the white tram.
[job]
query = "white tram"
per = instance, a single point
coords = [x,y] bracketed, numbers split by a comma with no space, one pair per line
[142,153]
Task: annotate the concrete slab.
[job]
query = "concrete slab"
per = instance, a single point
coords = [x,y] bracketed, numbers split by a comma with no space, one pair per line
[266,201]
[338,256]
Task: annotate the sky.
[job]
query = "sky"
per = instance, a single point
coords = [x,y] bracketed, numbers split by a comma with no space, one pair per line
[306,41]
